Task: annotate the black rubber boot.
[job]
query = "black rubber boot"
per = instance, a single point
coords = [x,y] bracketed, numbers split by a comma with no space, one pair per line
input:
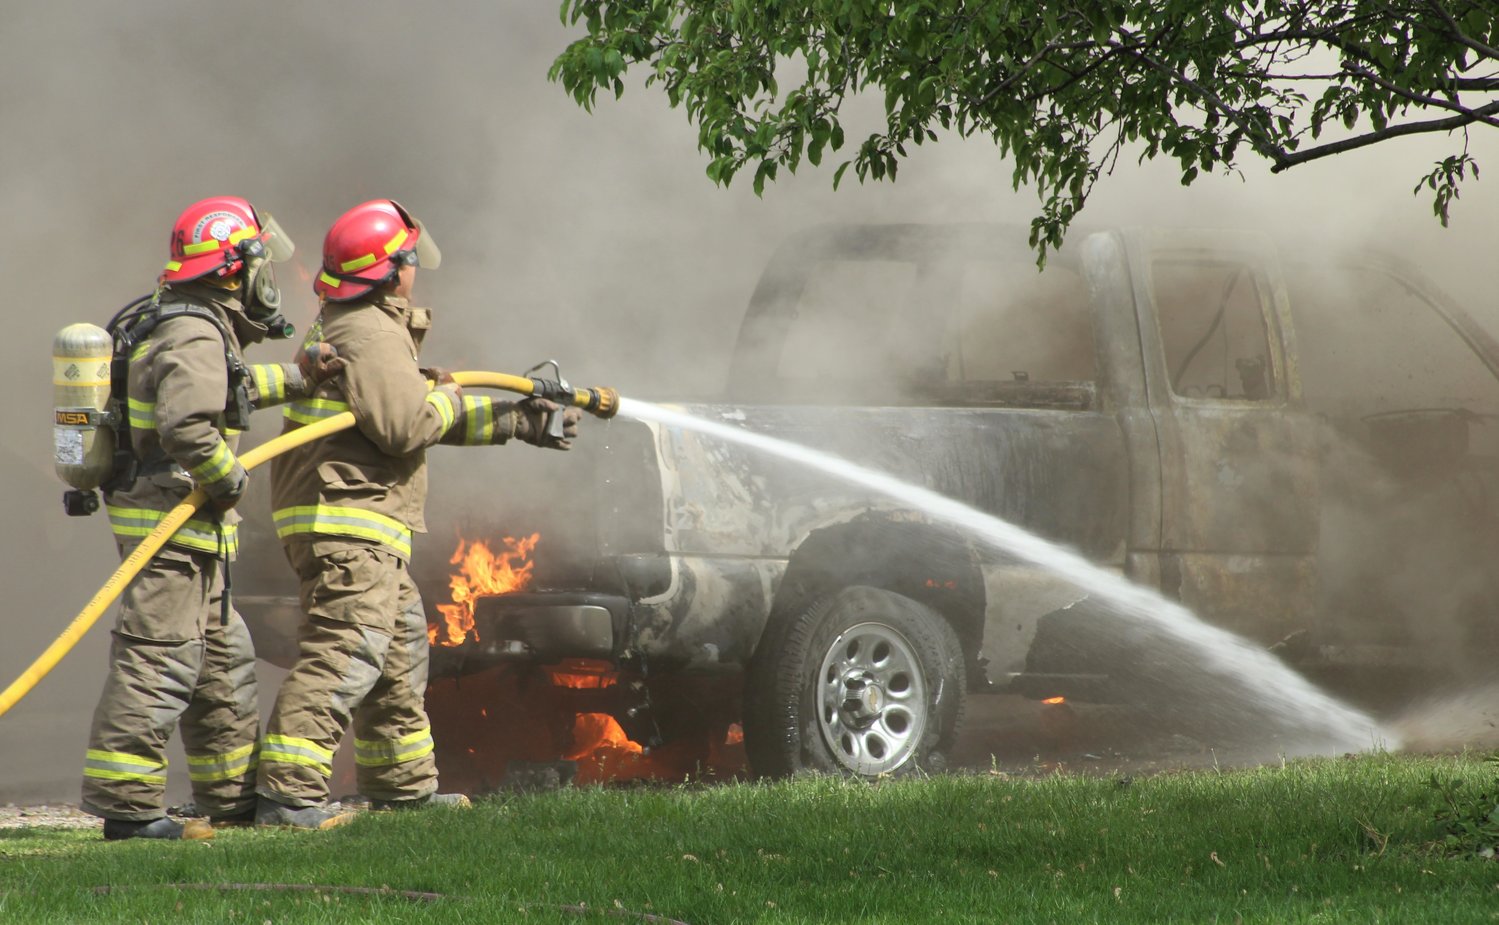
[270,814]
[193,829]
[238,820]
[457,800]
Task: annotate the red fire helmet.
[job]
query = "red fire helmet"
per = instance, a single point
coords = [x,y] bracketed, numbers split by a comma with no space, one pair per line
[212,235]
[367,246]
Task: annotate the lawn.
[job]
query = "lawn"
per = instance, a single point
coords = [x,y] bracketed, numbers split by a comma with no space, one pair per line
[1330,840]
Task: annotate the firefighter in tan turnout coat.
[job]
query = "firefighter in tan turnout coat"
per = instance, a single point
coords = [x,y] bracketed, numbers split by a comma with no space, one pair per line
[179,652]
[345,508]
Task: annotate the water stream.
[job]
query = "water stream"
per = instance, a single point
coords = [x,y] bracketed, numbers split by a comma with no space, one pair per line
[1287,698]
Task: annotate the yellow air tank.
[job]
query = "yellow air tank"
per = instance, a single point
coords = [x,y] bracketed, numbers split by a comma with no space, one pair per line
[82,436]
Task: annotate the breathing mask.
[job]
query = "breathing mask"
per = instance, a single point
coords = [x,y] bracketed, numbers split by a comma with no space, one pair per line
[262,296]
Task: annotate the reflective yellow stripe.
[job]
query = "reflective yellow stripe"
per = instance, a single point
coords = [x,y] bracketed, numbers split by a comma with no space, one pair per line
[133,523]
[216,467]
[202,247]
[343,521]
[312,410]
[121,766]
[478,420]
[142,414]
[140,350]
[243,233]
[443,402]
[329,281]
[374,753]
[368,260]
[270,382]
[292,750]
[223,766]
[173,266]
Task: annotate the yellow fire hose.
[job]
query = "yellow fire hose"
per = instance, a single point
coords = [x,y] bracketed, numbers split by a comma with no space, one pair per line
[602,402]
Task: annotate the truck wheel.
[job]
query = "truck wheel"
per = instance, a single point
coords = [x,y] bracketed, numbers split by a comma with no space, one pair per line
[863,682]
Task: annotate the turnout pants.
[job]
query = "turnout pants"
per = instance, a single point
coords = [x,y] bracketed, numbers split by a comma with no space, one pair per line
[362,658]
[172,661]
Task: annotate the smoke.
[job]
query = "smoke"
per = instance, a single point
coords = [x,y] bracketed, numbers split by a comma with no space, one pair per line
[592,239]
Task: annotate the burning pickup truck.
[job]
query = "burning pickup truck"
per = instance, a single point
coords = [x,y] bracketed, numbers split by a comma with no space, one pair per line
[1299,446]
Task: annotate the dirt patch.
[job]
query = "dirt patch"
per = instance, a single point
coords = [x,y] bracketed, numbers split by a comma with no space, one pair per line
[52,815]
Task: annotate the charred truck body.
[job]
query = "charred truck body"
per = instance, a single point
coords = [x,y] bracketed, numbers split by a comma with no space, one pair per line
[1300,448]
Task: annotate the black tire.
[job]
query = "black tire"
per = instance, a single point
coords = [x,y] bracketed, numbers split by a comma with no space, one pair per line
[863,683]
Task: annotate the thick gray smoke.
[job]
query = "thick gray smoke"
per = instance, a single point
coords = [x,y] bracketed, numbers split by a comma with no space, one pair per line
[594,239]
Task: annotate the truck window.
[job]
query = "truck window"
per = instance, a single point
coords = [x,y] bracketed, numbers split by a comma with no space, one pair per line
[1212,317]
[1014,324]
[1370,344]
[861,320]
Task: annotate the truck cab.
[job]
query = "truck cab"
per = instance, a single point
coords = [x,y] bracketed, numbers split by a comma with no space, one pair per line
[1202,412]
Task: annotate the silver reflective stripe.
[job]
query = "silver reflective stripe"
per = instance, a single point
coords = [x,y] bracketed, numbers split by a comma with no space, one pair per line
[216,467]
[312,410]
[478,420]
[132,523]
[222,766]
[443,402]
[142,414]
[292,750]
[343,521]
[270,382]
[121,766]
[377,753]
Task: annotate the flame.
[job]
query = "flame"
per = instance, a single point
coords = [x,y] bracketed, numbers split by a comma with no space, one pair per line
[1055,700]
[583,674]
[481,573]
[596,733]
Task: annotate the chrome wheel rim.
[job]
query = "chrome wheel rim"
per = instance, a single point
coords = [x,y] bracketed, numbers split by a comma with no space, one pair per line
[872,704]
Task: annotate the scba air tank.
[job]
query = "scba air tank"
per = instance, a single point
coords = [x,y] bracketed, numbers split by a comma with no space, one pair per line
[84,441]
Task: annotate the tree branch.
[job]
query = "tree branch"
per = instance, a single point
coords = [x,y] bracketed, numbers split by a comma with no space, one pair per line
[1028,66]
[1261,142]
[1457,35]
[1419,98]
[1393,131]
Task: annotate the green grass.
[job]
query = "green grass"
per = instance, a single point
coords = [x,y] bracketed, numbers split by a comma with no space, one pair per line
[1346,840]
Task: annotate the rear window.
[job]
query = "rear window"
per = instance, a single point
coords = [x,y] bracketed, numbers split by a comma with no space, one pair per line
[1014,324]
[1370,344]
[959,332]
[858,320]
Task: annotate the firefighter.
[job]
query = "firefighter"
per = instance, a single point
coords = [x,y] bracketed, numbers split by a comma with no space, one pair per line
[346,507]
[179,652]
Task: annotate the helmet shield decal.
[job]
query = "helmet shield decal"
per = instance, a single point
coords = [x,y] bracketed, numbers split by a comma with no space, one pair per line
[428,257]
[277,243]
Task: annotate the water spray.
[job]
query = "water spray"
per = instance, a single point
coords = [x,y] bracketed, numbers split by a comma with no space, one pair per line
[1291,697]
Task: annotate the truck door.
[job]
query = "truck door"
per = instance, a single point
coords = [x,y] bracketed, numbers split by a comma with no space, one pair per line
[1238,453]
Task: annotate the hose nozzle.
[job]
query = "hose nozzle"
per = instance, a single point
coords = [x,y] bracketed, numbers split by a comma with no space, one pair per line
[599,401]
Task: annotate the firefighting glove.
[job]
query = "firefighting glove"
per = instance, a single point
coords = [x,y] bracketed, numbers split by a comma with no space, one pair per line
[225,493]
[532,416]
[318,363]
[440,377]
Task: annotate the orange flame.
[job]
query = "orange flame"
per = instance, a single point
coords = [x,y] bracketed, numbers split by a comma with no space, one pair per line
[594,732]
[583,674]
[481,573]
[1055,700]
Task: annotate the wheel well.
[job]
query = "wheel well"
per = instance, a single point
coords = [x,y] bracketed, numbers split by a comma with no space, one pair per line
[928,564]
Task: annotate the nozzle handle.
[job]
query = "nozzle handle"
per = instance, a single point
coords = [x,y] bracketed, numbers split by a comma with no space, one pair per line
[555,427]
